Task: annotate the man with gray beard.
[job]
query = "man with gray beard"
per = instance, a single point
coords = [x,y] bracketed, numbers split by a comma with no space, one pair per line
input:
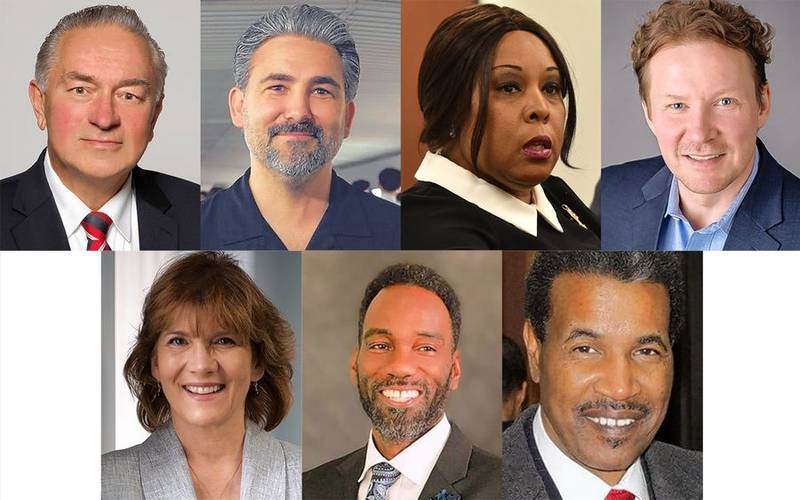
[405,364]
[296,73]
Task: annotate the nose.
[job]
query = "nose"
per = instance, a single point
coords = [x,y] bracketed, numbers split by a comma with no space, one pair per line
[297,106]
[536,108]
[103,114]
[617,379]
[201,359]
[700,126]
[401,363]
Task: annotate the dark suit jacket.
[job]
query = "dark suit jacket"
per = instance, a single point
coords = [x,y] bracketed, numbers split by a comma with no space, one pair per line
[671,472]
[462,469]
[167,207]
[634,200]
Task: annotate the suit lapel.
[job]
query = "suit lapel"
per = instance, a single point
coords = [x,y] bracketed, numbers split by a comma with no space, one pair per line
[163,467]
[263,466]
[41,228]
[349,469]
[156,230]
[451,466]
[647,216]
[761,208]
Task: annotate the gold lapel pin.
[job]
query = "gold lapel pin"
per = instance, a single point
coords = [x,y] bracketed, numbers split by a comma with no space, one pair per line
[573,215]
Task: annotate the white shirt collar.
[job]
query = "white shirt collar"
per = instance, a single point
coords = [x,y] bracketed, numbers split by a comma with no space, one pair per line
[573,480]
[417,461]
[463,183]
[73,210]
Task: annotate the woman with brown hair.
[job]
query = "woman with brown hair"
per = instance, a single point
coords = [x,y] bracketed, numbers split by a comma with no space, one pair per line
[492,89]
[211,370]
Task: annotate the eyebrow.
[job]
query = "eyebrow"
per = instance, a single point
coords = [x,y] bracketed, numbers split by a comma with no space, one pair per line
[317,80]
[519,68]
[129,82]
[651,339]
[643,340]
[383,331]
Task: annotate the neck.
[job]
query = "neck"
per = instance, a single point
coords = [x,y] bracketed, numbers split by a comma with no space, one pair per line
[522,193]
[293,212]
[702,209]
[92,191]
[212,444]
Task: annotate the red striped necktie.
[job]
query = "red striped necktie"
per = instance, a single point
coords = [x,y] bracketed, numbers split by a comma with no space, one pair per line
[96,225]
[620,495]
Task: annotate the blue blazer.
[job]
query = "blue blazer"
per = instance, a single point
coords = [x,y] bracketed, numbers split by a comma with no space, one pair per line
[167,208]
[634,199]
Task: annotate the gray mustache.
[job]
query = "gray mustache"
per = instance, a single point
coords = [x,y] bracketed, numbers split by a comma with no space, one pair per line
[305,126]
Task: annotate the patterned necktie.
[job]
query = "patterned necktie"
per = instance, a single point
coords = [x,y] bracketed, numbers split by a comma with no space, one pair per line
[96,225]
[383,477]
[620,495]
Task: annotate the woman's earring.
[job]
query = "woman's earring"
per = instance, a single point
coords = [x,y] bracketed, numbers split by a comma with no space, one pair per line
[255,387]
[452,131]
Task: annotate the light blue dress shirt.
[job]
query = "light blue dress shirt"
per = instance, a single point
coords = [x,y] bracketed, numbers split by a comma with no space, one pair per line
[677,233]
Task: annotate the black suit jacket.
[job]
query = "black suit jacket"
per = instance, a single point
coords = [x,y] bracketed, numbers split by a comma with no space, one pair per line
[671,472]
[462,469]
[167,208]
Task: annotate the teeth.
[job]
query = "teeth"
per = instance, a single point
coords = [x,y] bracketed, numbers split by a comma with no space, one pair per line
[400,396]
[612,422]
[703,157]
[196,389]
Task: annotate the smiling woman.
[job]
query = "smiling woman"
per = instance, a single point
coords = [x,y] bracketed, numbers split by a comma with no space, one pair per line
[499,109]
[211,372]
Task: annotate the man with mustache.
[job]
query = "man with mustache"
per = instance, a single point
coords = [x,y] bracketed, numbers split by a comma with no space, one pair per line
[703,86]
[599,332]
[296,74]
[406,363]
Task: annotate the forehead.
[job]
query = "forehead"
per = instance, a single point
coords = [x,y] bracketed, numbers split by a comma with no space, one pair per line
[521,48]
[698,67]
[604,305]
[193,320]
[407,310]
[297,56]
[103,52]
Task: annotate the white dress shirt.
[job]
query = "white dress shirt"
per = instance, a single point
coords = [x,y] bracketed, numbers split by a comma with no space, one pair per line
[123,233]
[415,463]
[573,480]
[463,183]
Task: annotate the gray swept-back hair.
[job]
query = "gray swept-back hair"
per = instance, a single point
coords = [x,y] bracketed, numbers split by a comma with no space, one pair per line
[98,15]
[305,20]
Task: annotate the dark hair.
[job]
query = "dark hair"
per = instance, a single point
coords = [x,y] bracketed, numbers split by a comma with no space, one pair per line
[677,21]
[515,373]
[389,178]
[652,267]
[459,57]
[213,282]
[415,275]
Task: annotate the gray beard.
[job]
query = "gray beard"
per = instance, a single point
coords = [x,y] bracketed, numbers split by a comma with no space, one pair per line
[394,424]
[300,163]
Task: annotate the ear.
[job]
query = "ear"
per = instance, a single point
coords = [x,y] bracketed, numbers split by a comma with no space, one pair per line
[646,112]
[521,394]
[156,114]
[765,105]
[354,366]
[154,367]
[350,112]
[236,106]
[532,347]
[257,372]
[37,98]
[455,371]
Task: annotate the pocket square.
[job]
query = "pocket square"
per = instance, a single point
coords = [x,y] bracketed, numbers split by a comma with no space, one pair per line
[446,495]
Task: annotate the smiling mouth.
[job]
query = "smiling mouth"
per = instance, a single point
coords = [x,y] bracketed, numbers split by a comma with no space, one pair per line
[204,389]
[612,422]
[703,157]
[400,396]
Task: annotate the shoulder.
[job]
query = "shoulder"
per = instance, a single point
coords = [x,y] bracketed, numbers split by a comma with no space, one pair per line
[324,480]
[375,208]
[173,187]
[632,173]
[354,210]
[437,219]
[120,474]
[674,471]
[662,453]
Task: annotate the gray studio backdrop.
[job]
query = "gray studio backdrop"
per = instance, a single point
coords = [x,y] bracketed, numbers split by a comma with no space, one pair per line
[333,285]
[625,133]
[374,142]
[175,25]
[126,278]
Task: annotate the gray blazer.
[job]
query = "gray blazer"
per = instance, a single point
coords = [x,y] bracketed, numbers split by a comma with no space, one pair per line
[671,472]
[157,468]
[463,471]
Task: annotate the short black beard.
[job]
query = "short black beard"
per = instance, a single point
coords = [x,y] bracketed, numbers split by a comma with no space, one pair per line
[392,423]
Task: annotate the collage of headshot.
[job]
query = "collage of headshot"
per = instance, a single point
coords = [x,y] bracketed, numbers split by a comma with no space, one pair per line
[398,249]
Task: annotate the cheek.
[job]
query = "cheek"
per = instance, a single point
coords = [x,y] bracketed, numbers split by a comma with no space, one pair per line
[64,121]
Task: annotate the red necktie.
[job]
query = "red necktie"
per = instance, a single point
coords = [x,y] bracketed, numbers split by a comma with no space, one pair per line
[620,495]
[96,225]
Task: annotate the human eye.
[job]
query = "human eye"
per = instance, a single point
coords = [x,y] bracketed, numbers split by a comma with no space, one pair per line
[552,88]
[277,88]
[130,97]
[726,101]
[648,351]
[322,91]
[508,87]
[177,340]
[584,349]
[378,346]
[78,91]
[676,106]
[427,348]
